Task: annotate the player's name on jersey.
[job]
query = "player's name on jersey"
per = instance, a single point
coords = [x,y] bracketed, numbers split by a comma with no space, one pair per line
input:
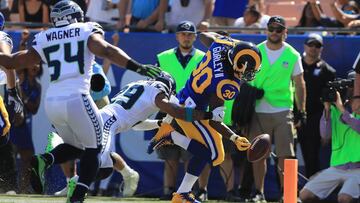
[62,34]
[218,65]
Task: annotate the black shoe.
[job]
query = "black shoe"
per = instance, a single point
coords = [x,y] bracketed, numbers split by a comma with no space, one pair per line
[201,195]
[231,197]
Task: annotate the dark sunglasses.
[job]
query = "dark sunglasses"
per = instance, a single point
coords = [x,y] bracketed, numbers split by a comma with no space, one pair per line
[318,46]
[276,29]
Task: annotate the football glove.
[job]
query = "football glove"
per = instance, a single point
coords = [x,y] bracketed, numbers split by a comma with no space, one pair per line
[241,142]
[218,114]
[149,71]
[14,101]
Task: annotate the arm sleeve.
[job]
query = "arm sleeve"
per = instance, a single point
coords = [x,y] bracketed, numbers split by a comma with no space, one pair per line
[350,120]
[325,127]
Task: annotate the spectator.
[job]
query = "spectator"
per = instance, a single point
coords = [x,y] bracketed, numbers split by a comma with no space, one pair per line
[251,19]
[342,127]
[317,73]
[198,12]
[106,14]
[5,9]
[146,15]
[308,18]
[281,68]
[342,18]
[356,96]
[34,11]
[179,62]
[21,135]
[227,11]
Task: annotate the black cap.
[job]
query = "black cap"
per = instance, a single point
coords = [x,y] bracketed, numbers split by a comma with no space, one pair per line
[313,37]
[277,20]
[186,26]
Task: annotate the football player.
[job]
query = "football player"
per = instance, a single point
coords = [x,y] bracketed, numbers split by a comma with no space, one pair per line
[217,78]
[68,50]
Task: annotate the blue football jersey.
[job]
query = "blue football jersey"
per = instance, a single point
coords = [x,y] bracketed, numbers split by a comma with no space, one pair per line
[210,78]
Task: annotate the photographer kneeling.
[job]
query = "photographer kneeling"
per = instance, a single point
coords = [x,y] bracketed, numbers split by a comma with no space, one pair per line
[343,128]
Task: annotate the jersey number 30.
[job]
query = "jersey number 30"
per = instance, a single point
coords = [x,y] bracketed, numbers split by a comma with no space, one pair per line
[78,58]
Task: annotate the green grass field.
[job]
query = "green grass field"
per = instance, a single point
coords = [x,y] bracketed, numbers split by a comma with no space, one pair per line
[51,199]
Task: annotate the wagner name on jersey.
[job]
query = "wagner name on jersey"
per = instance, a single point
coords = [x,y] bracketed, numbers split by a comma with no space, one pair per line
[209,78]
[64,51]
[134,103]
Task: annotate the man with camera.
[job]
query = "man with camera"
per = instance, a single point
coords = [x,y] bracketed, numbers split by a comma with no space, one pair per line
[356,97]
[343,128]
[317,73]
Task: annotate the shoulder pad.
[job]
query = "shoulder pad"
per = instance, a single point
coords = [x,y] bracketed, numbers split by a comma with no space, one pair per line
[96,28]
[227,89]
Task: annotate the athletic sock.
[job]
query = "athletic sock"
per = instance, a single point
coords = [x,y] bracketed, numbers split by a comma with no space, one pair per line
[126,171]
[187,183]
[65,152]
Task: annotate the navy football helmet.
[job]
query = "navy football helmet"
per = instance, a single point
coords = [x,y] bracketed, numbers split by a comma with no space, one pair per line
[66,12]
[245,58]
[167,83]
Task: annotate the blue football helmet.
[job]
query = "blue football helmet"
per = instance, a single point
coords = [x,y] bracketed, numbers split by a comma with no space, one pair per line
[2,21]
[66,12]
[245,58]
[167,83]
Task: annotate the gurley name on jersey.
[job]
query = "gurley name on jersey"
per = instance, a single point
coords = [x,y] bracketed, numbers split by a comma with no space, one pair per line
[217,63]
[62,34]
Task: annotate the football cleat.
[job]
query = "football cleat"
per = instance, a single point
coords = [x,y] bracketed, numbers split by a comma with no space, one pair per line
[186,197]
[130,184]
[61,193]
[53,140]
[162,137]
[37,178]
[71,187]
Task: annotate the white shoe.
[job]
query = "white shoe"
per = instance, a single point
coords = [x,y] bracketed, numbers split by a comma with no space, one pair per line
[131,184]
[61,193]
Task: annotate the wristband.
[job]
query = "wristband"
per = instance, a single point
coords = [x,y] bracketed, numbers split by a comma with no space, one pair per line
[133,65]
[12,91]
[208,115]
[355,97]
[233,137]
[188,114]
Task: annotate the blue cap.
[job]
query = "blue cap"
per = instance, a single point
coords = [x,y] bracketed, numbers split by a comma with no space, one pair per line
[186,26]
[2,21]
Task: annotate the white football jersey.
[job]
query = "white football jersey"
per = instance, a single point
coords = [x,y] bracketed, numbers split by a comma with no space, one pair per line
[64,51]
[134,103]
[5,38]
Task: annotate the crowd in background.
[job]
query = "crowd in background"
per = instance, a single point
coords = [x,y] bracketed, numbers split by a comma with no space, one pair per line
[165,16]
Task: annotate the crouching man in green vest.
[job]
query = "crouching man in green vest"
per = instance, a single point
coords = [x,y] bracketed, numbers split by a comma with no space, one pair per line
[343,128]
[179,62]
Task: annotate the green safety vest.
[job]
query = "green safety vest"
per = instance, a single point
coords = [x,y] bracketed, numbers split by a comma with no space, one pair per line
[275,79]
[344,140]
[169,63]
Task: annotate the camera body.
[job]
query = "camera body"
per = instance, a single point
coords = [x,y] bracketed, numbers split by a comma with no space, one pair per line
[340,85]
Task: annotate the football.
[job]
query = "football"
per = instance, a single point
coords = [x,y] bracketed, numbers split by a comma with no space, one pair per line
[260,147]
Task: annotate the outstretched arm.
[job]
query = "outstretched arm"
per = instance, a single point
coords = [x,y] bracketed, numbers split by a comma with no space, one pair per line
[19,60]
[187,114]
[207,38]
[98,46]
